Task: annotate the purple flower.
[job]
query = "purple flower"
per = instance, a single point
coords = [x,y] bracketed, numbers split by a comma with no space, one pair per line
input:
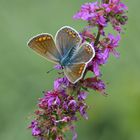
[50,99]
[82,96]
[61,83]
[65,106]
[72,105]
[109,45]
[58,67]
[92,13]
[114,6]
[87,11]
[35,129]
[100,14]
[116,10]
[82,111]
[95,83]
[116,24]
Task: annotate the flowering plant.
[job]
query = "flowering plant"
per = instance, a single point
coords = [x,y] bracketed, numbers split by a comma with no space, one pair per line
[58,109]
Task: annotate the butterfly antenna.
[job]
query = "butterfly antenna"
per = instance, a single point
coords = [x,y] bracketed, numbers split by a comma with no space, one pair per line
[50,70]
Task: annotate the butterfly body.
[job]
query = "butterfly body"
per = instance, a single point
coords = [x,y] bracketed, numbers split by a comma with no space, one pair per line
[67,50]
[66,59]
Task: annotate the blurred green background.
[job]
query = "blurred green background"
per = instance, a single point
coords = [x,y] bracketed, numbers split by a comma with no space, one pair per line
[23,73]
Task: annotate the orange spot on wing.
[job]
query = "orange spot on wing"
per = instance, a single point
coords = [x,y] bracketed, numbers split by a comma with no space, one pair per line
[44,38]
[81,69]
[40,39]
[79,72]
[70,33]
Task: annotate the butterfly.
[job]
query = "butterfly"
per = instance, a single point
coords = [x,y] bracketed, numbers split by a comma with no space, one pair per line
[66,50]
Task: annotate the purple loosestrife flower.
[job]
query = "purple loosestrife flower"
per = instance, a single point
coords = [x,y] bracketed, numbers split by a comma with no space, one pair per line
[99,15]
[72,105]
[87,11]
[51,99]
[58,67]
[92,13]
[115,6]
[116,10]
[61,83]
[95,84]
[57,108]
[82,110]
[35,129]
[109,44]
[82,96]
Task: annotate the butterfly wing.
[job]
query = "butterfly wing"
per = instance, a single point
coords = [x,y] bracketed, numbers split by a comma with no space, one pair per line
[67,38]
[75,70]
[84,54]
[44,45]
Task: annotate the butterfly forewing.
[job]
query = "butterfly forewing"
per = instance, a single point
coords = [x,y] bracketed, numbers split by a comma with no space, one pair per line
[67,38]
[83,54]
[74,72]
[44,45]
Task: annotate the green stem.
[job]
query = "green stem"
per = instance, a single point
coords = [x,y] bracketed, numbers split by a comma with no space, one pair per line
[97,38]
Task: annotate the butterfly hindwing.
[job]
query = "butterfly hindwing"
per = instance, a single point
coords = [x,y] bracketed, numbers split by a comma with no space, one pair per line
[66,39]
[84,54]
[74,72]
[44,45]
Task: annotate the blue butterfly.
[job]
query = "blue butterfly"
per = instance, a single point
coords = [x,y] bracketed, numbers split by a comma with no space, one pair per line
[67,50]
